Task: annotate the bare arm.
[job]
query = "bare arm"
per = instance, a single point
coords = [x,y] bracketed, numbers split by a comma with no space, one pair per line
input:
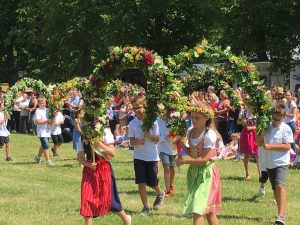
[82,160]
[152,137]
[136,141]
[292,114]
[202,160]
[277,147]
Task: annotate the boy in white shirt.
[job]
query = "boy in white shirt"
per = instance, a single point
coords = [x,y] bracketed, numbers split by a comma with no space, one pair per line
[278,140]
[4,133]
[43,130]
[56,133]
[145,155]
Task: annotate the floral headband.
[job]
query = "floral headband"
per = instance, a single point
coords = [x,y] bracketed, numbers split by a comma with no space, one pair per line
[205,111]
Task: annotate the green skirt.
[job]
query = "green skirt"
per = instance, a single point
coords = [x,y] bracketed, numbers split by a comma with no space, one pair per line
[199,183]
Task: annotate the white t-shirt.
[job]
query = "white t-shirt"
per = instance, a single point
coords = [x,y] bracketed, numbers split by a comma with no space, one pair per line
[16,105]
[24,105]
[210,139]
[289,109]
[164,145]
[148,151]
[262,158]
[3,130]
[56,129]
[278,135]
[42,129]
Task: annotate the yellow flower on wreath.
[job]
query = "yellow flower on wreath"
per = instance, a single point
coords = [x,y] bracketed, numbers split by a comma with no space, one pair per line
[199,49]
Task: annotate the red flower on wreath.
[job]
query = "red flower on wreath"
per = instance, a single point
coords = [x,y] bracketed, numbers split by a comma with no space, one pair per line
[110,66]
[247,69]
[158,74]
[148,58]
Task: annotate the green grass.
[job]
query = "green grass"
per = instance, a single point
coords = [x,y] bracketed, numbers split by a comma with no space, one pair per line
[36,194]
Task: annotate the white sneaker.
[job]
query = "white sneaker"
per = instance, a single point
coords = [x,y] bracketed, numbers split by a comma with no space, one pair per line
[50,163]
[262,192]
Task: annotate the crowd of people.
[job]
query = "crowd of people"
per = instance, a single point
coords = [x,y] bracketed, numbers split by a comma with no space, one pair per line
[229,135]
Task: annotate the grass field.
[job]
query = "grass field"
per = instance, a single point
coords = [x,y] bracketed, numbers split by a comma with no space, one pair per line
[37,194]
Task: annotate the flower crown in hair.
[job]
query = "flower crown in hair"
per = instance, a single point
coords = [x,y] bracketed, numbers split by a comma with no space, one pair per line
[207,112]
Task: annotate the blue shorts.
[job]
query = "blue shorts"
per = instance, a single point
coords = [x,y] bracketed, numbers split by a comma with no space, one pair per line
[146,172]
[278,175]
[44,142]
[167,160]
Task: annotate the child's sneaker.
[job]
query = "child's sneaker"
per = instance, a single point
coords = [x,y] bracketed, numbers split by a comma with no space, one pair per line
[145,211]
[8,159]
[37,160]
[262,192]
[159,200]
[49,163]
[280,220]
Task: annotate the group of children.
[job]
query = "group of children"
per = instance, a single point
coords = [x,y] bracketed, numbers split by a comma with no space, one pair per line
[203,180]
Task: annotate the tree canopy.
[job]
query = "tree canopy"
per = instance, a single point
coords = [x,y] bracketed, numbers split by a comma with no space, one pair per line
[57,40]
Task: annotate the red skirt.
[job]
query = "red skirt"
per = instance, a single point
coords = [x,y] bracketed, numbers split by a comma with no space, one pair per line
[96,190]
[248,142]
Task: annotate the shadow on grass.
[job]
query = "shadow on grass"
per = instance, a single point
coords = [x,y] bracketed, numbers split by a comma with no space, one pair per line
[24,163]
[122,162]
[234,178]
[126,178]
[234,217]
[136,192]
[68,159]
[254,198]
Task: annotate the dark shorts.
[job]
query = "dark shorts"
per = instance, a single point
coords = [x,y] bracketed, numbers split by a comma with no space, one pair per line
[278,175]
[4,140]
[167,160]
[146,172]
[57,139]
[44,142]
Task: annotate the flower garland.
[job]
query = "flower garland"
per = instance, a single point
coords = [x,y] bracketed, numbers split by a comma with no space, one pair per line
[62,90]
[21,85]
[96,92]
[225,66]
[117,86]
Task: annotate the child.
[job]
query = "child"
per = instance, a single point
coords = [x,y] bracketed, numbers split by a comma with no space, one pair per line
[167,156]
[263,178]
[248,144]
[56,133]
[278,140]
[220,147]
[145,155]
[43,130]
[118,138]
[77,133]
[203,179]
[4,133]
[232,147]
[99,193]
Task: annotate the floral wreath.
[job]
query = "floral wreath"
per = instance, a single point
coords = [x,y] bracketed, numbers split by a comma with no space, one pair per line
[207,112]
[224,66]
[21,85]
[96,91]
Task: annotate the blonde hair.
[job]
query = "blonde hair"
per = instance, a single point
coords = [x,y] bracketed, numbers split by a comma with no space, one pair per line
[42,99]
[138,100]
[223,93]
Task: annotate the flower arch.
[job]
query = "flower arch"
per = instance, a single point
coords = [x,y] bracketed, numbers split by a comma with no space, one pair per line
[221,67]
[21,85]
[160,83]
